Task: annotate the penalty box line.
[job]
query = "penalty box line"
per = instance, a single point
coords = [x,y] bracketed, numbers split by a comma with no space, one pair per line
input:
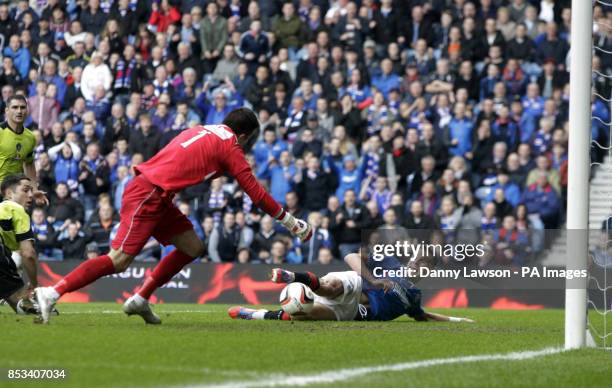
[338,375]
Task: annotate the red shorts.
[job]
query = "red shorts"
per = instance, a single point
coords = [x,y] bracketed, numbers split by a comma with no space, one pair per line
[147,210]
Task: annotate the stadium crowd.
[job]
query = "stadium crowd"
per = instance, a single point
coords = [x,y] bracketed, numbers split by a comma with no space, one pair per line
[440,114]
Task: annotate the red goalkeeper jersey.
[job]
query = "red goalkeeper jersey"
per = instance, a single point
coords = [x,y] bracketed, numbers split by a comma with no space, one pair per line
[205,152]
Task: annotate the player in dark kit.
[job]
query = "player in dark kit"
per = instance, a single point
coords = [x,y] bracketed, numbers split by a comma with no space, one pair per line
[196,154]
[351,295]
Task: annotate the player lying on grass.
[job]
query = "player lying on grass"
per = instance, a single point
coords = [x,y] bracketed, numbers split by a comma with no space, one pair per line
[196,154]
[350,295]
[17,236]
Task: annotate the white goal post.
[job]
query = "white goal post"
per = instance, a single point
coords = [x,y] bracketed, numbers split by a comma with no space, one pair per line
[578,170]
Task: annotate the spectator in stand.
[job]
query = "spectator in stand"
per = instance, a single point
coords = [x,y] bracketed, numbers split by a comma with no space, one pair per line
[227,66]
[100,225]
[93,17]
[552,47]
[447,219]
[100,104]
[387,80]
[75,34]
[213,36]
[426,173]
[293,206]
[504,128]
[66,156]
[543,165]
[73,241]
[278,253]
[542,199]
[254,13]
[95,74]
[348,175]
[116,128]
[262,242]
[512,193]
[146,139]
[162,119]
[49,74]
[225,240]
[44,109]
[470,218]
[164,14]
[489,221]
[314,185]
[280,174]
[269,147]
[325,256]
[43,54]
[429,198]
[254,46]
[397,165]
[123,178]
[351,218]
[259,92]
[10,75]
[222,104]
[419,224]
[45,171]
[289,29]
[321,239]
[380,194]
[307,143]
[511,244]
[460,132]
[45,236]
[64,207]
[20,55]
[94,176]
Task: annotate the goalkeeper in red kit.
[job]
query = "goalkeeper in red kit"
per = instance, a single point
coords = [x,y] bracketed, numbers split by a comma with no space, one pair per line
[196,154]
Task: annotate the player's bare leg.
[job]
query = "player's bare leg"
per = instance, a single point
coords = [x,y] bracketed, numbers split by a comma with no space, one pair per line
[328,287]
[188,247]
[20,308]
[240,312]
[86,273]
[22,302]
[319,312]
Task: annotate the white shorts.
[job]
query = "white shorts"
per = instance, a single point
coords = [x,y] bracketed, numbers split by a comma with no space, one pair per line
[346,305]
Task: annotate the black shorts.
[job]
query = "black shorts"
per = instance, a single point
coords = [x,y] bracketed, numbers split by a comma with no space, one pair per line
[10,281]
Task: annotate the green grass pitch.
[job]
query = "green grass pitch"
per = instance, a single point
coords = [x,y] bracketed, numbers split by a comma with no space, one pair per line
[200,345]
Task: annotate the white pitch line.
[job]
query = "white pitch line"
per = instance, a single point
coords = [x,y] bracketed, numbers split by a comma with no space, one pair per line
[333,376]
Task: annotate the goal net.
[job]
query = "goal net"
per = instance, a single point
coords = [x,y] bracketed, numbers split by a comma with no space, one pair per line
[599,292]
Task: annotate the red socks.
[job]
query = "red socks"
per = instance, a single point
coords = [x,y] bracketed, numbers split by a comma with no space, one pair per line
[86,273]
[309,279]
[91,270]
[169,266]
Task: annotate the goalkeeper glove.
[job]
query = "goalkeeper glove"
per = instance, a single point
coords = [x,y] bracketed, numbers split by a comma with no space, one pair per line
[297,227]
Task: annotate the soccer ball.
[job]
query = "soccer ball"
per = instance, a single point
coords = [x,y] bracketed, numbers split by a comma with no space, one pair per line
[297,299]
